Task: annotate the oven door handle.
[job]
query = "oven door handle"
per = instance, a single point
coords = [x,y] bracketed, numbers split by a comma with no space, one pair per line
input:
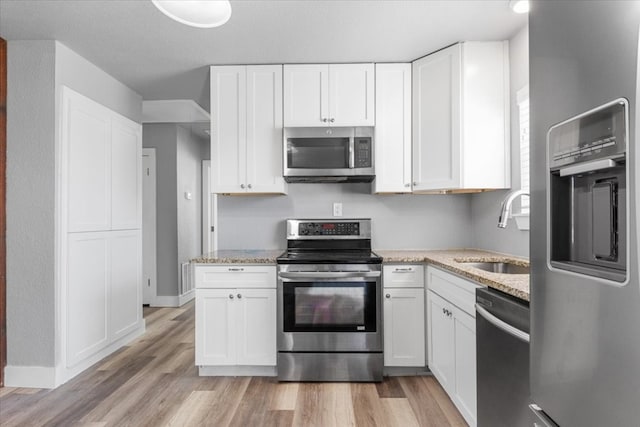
[328,275]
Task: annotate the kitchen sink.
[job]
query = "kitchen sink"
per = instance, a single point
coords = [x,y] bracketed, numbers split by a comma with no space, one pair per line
[499,267]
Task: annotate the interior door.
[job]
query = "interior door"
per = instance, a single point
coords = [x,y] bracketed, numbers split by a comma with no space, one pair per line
[149,267]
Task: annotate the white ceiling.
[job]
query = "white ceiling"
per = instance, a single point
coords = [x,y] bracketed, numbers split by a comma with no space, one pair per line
[162,59]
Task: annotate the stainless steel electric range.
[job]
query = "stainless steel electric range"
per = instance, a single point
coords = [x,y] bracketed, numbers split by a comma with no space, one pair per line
[329,302]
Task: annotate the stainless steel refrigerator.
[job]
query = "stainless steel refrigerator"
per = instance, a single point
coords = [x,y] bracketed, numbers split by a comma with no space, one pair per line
[585,181]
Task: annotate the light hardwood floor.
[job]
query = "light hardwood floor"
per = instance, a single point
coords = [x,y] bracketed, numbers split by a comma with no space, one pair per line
[153,382]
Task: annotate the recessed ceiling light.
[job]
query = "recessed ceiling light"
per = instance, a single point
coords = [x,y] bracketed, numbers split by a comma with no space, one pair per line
[519,6]
[196,13]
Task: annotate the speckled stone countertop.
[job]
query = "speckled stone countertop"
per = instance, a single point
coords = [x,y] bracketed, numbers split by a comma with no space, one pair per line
[453,260]
[241,256]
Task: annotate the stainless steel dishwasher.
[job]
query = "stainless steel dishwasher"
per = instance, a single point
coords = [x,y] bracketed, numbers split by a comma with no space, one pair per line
[502,356]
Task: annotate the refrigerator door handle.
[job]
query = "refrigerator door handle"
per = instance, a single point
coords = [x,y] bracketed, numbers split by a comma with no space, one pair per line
[542,420]
[504,326]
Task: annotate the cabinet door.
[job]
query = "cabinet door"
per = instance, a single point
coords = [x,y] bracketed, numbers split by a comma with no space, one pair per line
[436,120]
[393,128]
[465,362]
[126,282]
[264,129]
[351,95]
[256,326]
[441,341]
[228,129]
[86,139]
[216,327]
[404,327]
[126,174]
[87,295]
[306,93]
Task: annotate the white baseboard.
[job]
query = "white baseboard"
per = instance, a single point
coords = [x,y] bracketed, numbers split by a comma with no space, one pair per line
[173,300]
[52,377]
[188,296]
[30,376]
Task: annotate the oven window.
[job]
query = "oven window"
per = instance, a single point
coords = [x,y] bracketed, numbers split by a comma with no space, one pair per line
[329,307]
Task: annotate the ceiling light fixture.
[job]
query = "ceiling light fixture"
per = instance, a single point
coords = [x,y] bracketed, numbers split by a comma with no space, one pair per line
[519,6]
[196,13]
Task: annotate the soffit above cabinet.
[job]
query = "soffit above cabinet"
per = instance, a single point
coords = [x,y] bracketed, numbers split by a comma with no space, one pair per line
[173,111]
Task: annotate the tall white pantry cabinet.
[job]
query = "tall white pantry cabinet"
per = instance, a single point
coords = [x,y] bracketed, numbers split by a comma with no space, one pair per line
[100,227]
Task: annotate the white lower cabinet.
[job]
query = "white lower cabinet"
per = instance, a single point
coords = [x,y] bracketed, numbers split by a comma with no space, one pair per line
[235,326]
[452,338]
[403,313]
[104,291]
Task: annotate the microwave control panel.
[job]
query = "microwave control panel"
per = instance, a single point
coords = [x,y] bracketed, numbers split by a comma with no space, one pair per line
[363,152]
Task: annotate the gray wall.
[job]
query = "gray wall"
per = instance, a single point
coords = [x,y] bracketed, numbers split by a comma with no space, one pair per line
[486,206]
[399,221]
[191,150]
[31,203]
[179,155]
[36,71]
[162,137]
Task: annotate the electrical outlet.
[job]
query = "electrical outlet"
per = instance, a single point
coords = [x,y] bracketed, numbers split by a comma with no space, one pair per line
[337,209]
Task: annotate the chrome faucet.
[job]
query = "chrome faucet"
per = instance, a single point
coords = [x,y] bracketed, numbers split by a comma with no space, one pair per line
[505,210]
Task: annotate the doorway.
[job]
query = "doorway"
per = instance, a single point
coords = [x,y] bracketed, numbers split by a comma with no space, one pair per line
[149,249]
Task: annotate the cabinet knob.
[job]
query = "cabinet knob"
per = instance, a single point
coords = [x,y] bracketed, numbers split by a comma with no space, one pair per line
[230,296]
[407,185]
[241,185]
[444,311]
[239,296]
[325,120]
[332,120]
[415,183]
[249,186]
[387,296]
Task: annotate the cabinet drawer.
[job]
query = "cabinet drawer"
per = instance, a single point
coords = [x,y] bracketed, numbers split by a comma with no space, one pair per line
[235,275]
[458,291]
[403,276]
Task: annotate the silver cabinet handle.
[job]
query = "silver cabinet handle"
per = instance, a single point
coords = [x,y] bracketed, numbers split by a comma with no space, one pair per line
[403,270]
[239,296]
[502,325]
[415,183]
[235,269]
[387,296]
[230,296]
[249,186]
[241,185]
[332,120]
[325,120]
[407,185]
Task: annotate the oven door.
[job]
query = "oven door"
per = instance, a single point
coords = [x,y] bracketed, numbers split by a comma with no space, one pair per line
[322,311]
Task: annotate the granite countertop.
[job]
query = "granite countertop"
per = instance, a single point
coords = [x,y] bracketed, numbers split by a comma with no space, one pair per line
[516,285]
[240,256]
[512,284]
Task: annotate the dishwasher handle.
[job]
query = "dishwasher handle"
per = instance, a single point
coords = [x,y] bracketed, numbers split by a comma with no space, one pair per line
[502,325]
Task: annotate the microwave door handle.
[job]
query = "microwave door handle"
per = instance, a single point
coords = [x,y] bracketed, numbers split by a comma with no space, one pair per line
[352,162]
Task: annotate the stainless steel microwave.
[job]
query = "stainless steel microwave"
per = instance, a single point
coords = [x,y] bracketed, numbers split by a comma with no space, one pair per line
[328,155]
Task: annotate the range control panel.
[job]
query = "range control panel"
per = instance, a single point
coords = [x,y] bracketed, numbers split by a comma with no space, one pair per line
[328,229]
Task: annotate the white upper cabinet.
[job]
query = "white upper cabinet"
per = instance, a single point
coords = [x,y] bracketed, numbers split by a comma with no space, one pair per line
[317,95]
[461,118]
[393,129]
[102,164]
[246,129]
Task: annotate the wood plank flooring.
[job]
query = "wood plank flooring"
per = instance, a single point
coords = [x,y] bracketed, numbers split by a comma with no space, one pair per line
[153,382]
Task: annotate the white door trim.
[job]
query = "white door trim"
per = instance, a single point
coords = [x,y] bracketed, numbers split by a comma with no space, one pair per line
[209,211]
[149,230]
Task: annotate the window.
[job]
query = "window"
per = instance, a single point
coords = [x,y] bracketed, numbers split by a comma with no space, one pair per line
[523,114]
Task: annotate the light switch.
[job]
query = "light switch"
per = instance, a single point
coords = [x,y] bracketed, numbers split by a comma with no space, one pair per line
[337,209]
